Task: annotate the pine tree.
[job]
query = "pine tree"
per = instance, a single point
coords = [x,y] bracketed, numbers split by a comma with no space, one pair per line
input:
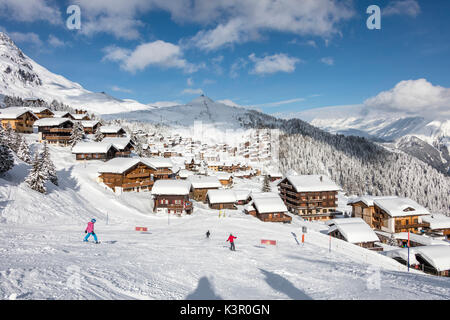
[23,152]
[36,178]
[77,133]
[6,158]
[48,167]
[266,184]
[98,136]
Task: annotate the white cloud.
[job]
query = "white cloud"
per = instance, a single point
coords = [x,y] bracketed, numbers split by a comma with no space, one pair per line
[157,53]
[164,104]
[275,63]
[402,7]
[55,42]
[279,103]
[190,82]
[30,11]
[232,21]
[230,103]
[119,89]
[237,66]
[242,21]
[192,91]
[327,60]
[417,97]
[27,37]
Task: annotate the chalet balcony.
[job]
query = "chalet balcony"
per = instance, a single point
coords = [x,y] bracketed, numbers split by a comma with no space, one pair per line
[57,138]
[399,227]
[285,185]
[137,184]
[138,175]
[66,130]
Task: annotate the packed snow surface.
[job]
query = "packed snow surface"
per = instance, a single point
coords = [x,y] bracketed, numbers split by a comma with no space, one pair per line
[42,253]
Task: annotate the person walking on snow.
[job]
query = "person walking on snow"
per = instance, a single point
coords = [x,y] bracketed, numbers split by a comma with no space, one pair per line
[90,231]
[231,239]
[207,234]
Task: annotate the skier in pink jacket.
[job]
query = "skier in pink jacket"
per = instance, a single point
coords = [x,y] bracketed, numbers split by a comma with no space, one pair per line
[90,231]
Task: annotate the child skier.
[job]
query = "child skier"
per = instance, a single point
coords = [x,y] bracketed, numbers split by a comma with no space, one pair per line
[90,230]
[231,239]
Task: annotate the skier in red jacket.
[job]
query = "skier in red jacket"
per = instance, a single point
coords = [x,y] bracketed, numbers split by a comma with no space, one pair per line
[231,239]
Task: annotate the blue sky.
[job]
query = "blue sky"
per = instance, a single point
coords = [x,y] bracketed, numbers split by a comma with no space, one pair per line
[297,55]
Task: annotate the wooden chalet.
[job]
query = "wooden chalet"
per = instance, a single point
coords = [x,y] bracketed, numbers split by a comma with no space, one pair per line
[80,116]
[94,151]
[355,231]
[225,178]
[363,207]
[397,214]
[200,185]
[271,210]
[127,174]
[274,176]
[164,168]
[90,126]
[241,196]
[112,131]
[192,165]
[436,225]
[123,145]
[221,199]
[42,112]
[171,196]
[62,114]
[434,259]
[54,130]
[314,197]
[19,119]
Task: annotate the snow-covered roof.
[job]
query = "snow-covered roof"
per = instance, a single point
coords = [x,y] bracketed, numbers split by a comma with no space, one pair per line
[60,114]
[50,122]
[222,175]
[159,162]
[89,123]
[119,165]
[78,116]
[14,113]
[241,194]
[199,182]
[355,232]
[368,200]
[421,239]
[344,221]
[400,207]
[119,143]
[312,183]
[110,129]
[185,173]
[221,196]
[92,147]
[269,205]
[403,254]
[39,109]
[275,174]
[171,187]
[437,256]
[258,195]
[437,221]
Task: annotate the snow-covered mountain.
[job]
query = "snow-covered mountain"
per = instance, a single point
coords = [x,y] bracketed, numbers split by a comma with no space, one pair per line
[388,126]
[21,76]
[433,135]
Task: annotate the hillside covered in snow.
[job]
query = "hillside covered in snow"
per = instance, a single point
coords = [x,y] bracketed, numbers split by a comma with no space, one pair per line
[21,76]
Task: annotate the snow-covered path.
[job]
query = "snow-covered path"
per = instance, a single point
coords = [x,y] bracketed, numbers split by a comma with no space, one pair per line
[41,252]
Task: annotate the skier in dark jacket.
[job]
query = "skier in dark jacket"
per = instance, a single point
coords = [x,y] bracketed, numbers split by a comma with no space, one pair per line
[207,234]
[231,239]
